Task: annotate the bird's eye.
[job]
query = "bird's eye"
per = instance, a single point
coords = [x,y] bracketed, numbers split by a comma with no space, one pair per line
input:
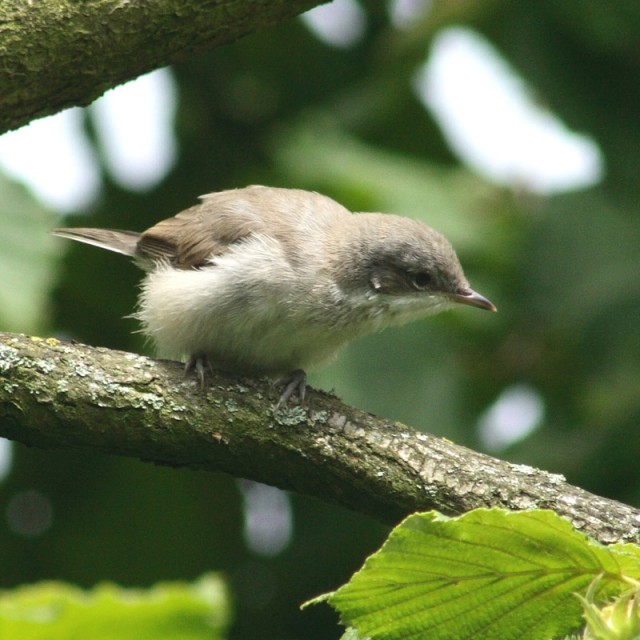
[421,279]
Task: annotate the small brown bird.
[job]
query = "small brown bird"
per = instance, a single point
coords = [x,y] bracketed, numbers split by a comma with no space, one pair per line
[267,281]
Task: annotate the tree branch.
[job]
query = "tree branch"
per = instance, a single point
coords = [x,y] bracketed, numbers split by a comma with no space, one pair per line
[61,53]
[62,395]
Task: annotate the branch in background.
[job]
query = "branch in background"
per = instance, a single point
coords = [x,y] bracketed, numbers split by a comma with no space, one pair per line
[62,395]
[63,53]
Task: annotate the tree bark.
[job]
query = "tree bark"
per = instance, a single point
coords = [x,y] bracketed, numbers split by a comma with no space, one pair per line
[57,394]
[61,53]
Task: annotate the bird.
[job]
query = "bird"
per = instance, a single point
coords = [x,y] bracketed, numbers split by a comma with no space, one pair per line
[269,281]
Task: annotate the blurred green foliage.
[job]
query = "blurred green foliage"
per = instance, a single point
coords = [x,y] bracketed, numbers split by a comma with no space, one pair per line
[283,108]
[171,611]
[28,255]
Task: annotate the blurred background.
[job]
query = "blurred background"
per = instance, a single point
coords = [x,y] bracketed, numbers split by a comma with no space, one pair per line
[511,127]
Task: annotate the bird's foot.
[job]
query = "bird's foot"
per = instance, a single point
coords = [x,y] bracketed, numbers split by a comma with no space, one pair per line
[199,363]
[295,381]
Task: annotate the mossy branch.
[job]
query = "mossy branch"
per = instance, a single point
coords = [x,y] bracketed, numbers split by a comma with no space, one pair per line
[61,53]
[57,394]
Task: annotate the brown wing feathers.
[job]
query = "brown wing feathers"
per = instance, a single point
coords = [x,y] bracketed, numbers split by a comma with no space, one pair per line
[190,238]
[124,242]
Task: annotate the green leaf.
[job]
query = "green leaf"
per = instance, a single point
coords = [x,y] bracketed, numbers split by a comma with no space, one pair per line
[618,620]
[352,634]
[487,574]
[628,557]
[171,610]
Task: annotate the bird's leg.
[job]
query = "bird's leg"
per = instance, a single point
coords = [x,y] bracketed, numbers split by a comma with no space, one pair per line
[199,363]
[295,381]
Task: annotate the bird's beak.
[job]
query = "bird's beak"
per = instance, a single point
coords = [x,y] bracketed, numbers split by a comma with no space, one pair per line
[473,299]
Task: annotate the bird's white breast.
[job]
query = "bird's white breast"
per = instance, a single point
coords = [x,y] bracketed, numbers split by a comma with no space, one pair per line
[250,311]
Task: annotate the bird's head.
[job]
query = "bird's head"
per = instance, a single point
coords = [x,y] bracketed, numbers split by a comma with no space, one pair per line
[402,267]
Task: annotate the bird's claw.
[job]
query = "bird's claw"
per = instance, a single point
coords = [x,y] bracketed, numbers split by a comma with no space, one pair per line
[200,364]
[295,381]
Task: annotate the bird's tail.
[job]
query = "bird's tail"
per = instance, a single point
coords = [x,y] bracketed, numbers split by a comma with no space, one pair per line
[124,242]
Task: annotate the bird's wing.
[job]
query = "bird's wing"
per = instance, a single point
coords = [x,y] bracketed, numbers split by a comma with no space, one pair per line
[124,242]
[195,236]
[192,237]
